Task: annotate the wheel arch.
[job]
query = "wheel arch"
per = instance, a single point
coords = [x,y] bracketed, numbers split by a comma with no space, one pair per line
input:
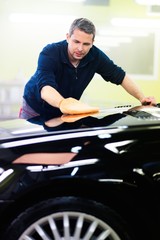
[115,196]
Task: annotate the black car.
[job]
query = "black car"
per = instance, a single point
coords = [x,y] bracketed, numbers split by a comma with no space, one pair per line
[81,177]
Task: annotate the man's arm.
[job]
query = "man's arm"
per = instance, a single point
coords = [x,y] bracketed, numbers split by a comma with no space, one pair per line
[66,105]
[51,96]
[133,89]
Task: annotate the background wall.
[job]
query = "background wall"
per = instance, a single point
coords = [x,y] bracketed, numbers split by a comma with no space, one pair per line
[128,32]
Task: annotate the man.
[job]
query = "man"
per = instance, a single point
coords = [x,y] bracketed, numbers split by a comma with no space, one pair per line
[65,69]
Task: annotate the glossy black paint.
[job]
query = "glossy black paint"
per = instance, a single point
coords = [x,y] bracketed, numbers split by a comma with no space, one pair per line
[112,157]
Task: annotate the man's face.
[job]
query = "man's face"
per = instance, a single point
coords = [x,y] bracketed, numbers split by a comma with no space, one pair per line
[79,44]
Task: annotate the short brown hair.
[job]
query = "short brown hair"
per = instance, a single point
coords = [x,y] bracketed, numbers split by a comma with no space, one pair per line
[84,25]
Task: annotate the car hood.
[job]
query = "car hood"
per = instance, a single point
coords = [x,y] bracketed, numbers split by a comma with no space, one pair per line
[121,116]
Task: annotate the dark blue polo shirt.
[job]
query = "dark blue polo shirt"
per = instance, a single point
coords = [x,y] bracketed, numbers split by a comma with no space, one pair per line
[54,69]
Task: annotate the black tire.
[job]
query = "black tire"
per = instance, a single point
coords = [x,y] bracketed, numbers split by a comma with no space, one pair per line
[68,218]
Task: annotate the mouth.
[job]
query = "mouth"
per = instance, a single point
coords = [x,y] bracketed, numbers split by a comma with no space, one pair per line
[79,55]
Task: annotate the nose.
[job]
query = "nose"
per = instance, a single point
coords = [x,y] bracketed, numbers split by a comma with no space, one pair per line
[80,47]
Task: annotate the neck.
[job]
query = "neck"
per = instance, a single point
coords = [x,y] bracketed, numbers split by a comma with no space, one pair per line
[75,63]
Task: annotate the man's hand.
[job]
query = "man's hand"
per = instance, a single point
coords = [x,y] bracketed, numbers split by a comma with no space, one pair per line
[74,106]
[148,101]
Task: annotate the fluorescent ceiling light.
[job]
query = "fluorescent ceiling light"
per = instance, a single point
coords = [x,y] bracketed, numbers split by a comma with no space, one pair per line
[120,33]
[41,18]
[148,2]
[134,22]
[112,41]
[73,1]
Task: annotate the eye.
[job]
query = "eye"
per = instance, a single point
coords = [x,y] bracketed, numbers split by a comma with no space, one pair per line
[76,41]
[87,44]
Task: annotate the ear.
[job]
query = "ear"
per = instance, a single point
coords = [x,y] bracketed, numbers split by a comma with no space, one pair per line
[67,37]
